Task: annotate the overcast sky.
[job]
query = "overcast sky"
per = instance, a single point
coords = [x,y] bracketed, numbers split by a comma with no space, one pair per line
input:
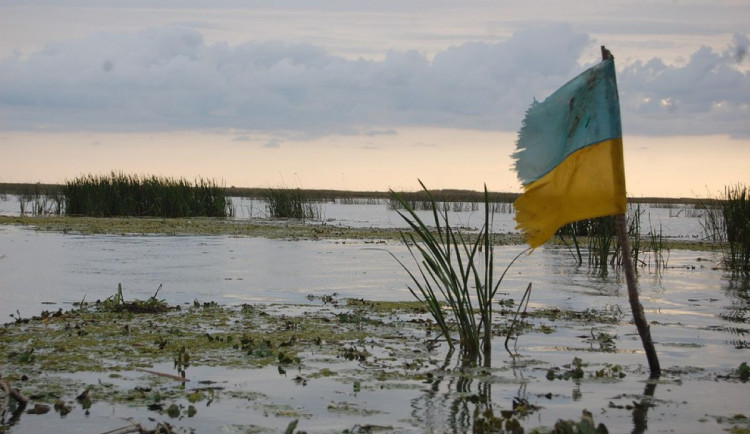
[240,90]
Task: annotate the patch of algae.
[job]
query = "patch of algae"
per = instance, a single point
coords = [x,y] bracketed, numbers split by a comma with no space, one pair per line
[40,354]
[94,340]
[263,228]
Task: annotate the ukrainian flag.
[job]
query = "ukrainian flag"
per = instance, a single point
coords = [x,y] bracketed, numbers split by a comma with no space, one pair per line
[569,156]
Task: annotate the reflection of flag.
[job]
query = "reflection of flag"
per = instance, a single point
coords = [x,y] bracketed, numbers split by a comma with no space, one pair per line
[569,156]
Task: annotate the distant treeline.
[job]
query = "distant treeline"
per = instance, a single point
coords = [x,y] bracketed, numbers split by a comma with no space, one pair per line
[323,195]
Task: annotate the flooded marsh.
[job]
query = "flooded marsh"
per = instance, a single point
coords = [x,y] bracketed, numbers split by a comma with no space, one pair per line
[321,330]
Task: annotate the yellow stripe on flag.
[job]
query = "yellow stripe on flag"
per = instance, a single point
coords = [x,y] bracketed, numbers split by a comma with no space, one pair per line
[589,183]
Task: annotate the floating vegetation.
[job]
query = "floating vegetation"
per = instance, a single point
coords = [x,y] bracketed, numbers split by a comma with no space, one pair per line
[585,426]
[117,303]
[171,368]
[743,371]
[120,194]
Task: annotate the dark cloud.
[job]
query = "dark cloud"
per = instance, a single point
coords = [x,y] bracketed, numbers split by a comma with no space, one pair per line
[170,78]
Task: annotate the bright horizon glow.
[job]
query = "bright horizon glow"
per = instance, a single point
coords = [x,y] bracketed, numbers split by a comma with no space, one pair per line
[654,167]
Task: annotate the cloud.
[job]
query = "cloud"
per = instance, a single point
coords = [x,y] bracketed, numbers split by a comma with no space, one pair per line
[273,143]
[170,78]
[709,94]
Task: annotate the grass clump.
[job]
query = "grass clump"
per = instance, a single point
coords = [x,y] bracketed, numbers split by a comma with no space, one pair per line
[453,269]
[40,199]
[727,221]
[291,203]
[597,237]
[736,213]
[601,235]
[117,303]
[119,194]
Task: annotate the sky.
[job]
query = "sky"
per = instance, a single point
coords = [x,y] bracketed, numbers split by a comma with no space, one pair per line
[363,94]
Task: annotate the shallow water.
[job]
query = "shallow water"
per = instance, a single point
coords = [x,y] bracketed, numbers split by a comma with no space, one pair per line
[678,222]
[699,321]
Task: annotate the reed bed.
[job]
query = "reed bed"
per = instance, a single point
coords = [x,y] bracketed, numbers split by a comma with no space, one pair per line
[294,203]
[456,200]
[120,194]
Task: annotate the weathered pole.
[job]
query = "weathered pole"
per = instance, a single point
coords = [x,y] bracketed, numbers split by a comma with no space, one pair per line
[639,317]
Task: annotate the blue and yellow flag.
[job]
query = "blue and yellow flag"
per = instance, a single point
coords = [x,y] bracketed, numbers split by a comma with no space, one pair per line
[569,156]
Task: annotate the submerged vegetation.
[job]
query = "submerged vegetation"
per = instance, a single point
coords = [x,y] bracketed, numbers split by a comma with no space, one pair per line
[119,194]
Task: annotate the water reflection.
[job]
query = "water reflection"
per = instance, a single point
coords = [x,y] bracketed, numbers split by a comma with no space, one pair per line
[736,314]
[459,399]
[640,409]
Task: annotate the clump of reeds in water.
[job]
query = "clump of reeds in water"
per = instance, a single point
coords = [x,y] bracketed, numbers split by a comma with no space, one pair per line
[602,247]
[453,270]
[727,221]
[600,234]
[40,199]
[736,215]
[120,194]
[285,202]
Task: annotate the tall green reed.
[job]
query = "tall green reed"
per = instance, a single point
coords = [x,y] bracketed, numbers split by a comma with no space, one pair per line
[657,247]
[120,194]
[294,203]
[736,213]
[600,234]
[602,248]
[727,221]
[40,199]
[453,269]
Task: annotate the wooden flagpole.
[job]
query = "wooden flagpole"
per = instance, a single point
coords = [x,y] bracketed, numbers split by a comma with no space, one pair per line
[639,317]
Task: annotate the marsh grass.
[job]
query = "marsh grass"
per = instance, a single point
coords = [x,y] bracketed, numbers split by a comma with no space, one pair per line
[293,203]
[600,234]
[453,200]
[658,250]
[40,199]
[736,215]
[120,194]
[602,248]
[634,232]
[453,269]
[727,221]
[117,303]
